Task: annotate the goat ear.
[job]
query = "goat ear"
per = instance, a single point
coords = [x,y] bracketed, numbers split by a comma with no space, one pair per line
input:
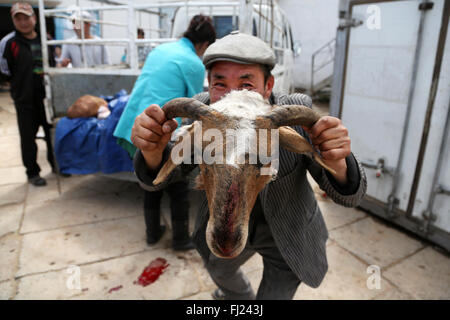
[165,171]
[292,141]
[168,167]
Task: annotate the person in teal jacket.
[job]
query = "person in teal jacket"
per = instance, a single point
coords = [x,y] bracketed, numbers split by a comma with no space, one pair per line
[171,70]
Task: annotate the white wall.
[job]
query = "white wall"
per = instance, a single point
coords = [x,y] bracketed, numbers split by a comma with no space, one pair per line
[313,23]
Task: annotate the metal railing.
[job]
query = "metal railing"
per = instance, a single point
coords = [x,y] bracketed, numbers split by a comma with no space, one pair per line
[249,12]
[244,9]
[131,41]
[325,56]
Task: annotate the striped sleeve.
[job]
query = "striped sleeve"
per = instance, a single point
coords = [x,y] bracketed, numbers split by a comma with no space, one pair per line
[349,195]
[295,98]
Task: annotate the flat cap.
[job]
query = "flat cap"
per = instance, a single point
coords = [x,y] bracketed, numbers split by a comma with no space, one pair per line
[240,48]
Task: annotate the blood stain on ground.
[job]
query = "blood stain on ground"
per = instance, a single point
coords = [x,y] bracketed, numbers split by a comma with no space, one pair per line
[152,272]
[115,289]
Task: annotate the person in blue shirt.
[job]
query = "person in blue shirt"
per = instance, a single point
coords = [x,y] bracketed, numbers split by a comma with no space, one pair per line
[171,70]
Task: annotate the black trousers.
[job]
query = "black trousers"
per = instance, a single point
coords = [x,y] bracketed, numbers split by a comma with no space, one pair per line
[179,205]
[29,118]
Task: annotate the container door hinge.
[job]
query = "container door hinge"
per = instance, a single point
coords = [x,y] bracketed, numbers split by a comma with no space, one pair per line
[392,203]
[429,216]
[428,219]
[349,23]
[426,6]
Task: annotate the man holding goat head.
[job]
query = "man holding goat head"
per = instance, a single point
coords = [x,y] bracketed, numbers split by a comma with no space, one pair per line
[245,209]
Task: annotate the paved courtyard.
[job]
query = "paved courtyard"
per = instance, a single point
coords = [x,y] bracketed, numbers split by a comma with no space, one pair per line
[83,237]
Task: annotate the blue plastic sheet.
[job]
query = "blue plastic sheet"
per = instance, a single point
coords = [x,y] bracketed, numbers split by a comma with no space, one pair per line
[87,145]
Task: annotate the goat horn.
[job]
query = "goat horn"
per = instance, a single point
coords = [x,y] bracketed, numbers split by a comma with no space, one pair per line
[291,115]
[190,108]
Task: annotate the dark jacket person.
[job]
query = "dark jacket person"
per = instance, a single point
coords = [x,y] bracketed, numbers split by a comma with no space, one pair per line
[21,63]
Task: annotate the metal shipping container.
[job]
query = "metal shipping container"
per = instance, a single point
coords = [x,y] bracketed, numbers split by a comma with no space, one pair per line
[391,88]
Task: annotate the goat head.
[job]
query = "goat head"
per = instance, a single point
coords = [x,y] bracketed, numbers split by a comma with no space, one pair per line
[232,186]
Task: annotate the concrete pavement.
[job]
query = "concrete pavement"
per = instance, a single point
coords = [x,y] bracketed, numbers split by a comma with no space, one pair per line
[83,237]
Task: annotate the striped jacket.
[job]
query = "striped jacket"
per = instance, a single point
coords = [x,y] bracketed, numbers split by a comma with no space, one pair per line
[288,202]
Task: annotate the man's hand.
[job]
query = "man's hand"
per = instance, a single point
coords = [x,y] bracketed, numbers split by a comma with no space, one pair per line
[151,132]
[331,138]
[65,62]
